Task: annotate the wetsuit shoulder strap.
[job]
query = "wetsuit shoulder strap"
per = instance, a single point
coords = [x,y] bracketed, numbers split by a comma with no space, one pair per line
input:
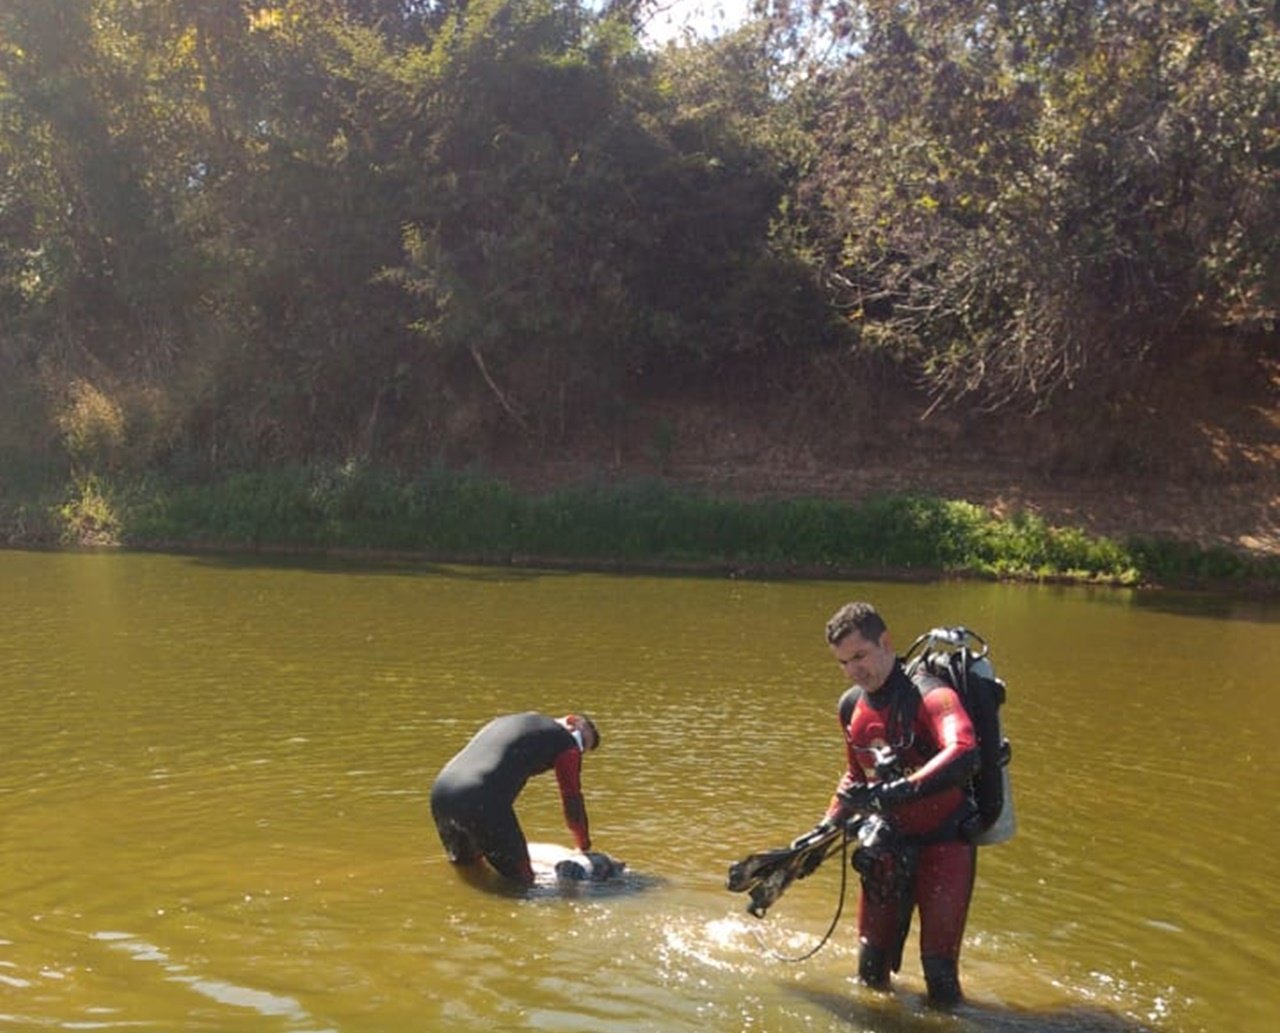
[846,705]
[926,681]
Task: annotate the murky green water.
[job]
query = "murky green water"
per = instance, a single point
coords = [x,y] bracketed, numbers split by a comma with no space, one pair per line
[214,776]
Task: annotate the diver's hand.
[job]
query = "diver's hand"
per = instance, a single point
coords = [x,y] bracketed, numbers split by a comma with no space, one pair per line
[864,798]
[859,798]
[900,790]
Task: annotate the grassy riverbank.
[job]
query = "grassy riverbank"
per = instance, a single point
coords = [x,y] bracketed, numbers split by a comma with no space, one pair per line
[443,514]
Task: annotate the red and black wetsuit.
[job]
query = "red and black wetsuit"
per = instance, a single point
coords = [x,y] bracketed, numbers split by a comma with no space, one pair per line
[473,797]
[932,737]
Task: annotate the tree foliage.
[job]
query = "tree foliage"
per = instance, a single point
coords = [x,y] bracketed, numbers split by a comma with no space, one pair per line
[400,229]
[1016,196]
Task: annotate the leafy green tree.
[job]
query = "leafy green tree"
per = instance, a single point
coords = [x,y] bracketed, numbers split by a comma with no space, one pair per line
[386,227]
[70,182]
[1020,196]
[578,229]
[113,128]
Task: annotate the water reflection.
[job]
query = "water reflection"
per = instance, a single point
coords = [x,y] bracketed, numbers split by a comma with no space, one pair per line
[215,989]
[1214,606]
[901,1014]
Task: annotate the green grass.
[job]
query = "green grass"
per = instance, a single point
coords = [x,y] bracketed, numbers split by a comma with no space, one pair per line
[445,514]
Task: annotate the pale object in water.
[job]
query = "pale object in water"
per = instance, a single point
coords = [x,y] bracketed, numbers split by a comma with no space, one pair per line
[574,865]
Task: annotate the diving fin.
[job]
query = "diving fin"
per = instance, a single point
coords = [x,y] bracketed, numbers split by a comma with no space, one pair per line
[765,876]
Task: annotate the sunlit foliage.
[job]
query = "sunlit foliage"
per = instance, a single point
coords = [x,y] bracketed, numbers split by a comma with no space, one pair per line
[1016,196]
[407,230]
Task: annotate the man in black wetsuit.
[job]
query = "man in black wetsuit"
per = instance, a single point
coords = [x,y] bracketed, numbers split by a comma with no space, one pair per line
[473,798]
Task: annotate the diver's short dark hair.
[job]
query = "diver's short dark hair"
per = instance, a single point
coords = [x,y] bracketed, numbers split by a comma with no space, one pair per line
[860,617]
[595,732]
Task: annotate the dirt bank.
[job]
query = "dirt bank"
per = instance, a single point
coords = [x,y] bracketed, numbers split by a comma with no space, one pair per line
[1193,457]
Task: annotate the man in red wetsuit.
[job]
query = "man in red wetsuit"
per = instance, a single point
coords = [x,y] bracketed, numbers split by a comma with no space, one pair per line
[473,797]
[911,750]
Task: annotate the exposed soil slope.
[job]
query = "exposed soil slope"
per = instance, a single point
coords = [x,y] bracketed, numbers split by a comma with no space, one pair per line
[1193,457]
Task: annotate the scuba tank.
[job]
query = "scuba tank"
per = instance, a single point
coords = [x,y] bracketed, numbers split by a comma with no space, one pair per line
[1001,830]
[960,658]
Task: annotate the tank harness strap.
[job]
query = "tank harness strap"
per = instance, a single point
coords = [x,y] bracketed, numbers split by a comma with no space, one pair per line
[908,856]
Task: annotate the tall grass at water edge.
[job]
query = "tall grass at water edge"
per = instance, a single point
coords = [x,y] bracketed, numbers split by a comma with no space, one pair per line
[445,514]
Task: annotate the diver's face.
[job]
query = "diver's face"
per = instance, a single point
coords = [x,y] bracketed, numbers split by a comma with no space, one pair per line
[576,724]
[865,663]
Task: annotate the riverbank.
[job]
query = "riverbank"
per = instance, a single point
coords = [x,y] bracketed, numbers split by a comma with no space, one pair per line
[1175,484]
[604,523]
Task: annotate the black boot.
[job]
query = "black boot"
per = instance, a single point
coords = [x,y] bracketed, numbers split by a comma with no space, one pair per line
[942,977]
[873,967]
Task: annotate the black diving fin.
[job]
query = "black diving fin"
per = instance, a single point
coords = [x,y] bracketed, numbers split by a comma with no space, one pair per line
[765,876]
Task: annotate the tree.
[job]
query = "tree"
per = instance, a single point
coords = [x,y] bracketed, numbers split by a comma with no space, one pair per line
[579,227]
[1020,196]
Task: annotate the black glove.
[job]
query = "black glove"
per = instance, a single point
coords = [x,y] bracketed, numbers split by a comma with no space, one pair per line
[890,794]
[858,798]
[864,798]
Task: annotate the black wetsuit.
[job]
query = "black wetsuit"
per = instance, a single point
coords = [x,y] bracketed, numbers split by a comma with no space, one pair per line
[473,798]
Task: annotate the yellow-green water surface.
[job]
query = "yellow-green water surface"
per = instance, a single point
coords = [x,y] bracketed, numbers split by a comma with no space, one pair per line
[214,777]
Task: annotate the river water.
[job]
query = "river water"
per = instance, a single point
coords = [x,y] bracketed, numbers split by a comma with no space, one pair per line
[214,776]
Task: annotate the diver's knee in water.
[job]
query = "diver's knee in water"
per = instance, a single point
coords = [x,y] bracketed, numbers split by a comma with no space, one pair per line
[459,844]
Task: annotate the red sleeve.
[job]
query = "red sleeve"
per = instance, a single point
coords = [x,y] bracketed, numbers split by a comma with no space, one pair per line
[949,724]
[568,768]
[836,810]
